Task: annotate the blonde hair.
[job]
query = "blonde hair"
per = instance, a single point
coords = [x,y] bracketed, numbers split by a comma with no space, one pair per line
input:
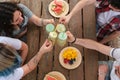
[8,58]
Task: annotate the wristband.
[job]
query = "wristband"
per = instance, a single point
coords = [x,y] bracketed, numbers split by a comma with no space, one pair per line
[74,40]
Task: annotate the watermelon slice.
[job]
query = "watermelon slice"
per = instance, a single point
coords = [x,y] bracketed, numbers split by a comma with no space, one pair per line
[58,10]
[58,3]
[57,7]
[48,77]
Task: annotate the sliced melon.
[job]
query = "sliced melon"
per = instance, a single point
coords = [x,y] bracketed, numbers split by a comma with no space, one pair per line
[48,77]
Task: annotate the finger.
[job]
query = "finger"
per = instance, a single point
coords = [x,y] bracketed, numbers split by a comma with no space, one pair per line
[52,21]
[119,70]
[49,43]
[67,32]
[62,20]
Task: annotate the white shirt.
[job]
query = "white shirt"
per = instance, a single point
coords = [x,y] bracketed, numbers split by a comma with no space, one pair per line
[105,17]
[17,75]
[15,43]
[116,55]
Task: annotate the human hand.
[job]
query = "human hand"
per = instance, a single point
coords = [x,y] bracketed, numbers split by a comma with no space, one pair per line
[117,70]
[48,21]
[64,19]
[70,36]
[103,69]
[46,47]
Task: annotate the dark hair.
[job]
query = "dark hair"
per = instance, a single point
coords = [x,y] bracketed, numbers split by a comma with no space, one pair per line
[6,16]
[9,60]
[115,3]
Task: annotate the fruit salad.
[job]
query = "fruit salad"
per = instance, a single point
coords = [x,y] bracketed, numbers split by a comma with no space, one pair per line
[58,7]
[69,56]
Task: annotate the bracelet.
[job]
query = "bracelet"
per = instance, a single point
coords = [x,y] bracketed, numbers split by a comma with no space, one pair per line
[74,41]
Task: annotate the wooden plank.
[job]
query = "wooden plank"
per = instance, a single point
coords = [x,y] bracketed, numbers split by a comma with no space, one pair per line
[32,35]
[33,43]
[90,56]
[75,26]
[46,62]
[57,65]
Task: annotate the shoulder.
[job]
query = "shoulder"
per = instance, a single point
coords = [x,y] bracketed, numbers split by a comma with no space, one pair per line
[15,43]
[21,5]
[4,38]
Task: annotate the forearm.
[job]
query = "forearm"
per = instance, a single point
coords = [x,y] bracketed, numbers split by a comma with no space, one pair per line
[34,61]
[21,34]
[36,20]
[90,44]
[110,37]
[81,4]
[32,64]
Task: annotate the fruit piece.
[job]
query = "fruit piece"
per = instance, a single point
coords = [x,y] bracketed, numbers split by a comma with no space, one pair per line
[58,3]
[58,10]
[57,7]
[70,55]
[71,62]
[48,77]
[66,61]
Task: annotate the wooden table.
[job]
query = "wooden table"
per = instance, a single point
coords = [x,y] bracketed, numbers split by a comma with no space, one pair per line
[82,25]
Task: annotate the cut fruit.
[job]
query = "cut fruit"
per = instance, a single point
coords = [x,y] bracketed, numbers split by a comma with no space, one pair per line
[48,77]
[57,7]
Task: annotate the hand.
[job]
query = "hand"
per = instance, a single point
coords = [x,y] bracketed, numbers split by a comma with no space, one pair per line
[46,47]
[64,19]
[117,70]
[48,21]
[102,71]
[70,38]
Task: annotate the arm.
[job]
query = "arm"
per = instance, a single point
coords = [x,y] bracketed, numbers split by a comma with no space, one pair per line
[24,51]
[90,44]
[40,21]
[16,44]
[33,18]
[22,33]
[81,4]
[31,65]
[110,37]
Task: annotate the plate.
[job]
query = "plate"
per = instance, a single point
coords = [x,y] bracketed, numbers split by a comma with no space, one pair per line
[65,6]
[57,75]
[75,64]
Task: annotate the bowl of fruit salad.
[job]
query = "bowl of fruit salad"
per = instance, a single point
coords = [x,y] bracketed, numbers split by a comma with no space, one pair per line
[54,75]
[70,57]
[58,8]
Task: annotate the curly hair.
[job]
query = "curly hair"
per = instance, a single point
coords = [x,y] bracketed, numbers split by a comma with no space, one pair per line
[7,10]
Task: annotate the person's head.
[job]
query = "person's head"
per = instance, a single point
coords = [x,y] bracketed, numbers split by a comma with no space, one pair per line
[114,4]
[10,16]
[9,60]
[10,13]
